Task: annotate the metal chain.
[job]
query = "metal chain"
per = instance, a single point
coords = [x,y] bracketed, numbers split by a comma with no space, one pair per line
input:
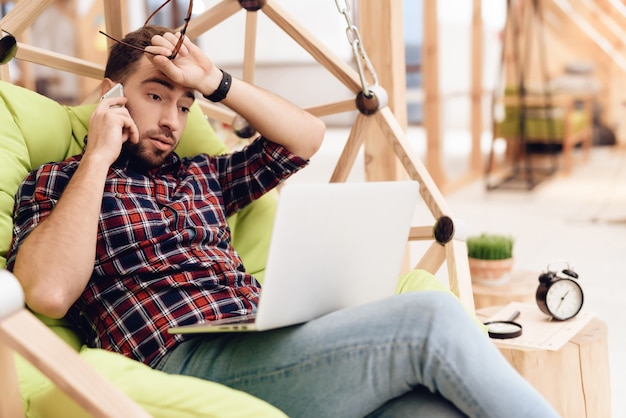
[360,56]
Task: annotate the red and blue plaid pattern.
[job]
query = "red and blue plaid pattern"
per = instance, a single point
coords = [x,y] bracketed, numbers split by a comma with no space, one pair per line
[164,255]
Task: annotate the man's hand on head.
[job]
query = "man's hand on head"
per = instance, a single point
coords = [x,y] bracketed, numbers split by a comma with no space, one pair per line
[191,67]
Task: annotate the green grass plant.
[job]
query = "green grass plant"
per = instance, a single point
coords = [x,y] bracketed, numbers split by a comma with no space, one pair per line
[490,246]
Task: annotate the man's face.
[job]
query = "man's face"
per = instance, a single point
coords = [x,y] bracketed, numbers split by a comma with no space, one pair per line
[160,109]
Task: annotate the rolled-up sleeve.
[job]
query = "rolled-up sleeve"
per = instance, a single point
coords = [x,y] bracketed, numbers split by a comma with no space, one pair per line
[247,174]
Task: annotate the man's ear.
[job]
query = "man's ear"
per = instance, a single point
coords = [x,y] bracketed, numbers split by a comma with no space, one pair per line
[105,85]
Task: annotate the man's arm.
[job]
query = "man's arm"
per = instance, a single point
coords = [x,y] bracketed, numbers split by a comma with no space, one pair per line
[275,118]
[55,261]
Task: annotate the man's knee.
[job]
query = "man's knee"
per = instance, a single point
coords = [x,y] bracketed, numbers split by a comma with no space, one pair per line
[435,301]
[433,307]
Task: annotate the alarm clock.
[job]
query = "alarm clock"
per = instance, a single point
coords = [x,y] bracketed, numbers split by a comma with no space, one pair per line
[559,295]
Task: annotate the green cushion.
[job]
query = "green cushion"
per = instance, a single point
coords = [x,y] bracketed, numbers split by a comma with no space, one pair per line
[251,238]
[538,127]
[19,118]
[161,395]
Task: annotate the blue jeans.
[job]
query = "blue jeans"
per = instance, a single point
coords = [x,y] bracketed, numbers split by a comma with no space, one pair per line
[415,354]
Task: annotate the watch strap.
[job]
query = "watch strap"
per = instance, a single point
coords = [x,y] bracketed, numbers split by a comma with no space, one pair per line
[222,90]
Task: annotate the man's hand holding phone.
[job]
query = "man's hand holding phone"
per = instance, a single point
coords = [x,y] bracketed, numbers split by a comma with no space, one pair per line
[110,126]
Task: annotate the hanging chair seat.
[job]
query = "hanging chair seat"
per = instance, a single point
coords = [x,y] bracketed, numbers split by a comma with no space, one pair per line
[552,124]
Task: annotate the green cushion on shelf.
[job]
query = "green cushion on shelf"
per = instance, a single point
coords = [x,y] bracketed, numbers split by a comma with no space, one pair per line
[539,129]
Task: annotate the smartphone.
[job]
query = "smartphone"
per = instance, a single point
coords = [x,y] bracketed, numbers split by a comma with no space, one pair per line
[115,91]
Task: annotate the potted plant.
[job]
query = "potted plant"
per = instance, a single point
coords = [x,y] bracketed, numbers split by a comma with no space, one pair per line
[490,256]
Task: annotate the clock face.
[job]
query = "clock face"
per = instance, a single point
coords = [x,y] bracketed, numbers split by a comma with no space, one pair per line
[564,299]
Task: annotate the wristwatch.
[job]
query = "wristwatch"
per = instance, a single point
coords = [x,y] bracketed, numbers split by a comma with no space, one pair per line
[222,90]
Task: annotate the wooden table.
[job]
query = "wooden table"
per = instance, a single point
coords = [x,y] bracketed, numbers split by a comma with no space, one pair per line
[576,378]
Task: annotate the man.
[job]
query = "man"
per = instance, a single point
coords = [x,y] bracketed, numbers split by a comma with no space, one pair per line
[127,239]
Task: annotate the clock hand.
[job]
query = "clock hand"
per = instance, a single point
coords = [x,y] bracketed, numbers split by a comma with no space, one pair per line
[562,298]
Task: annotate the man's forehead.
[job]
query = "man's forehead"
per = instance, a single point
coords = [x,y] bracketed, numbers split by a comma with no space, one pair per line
[145,70]
[147,73]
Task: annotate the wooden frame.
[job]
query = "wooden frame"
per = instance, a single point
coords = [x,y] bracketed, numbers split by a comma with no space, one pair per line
[444,248]
[22,332]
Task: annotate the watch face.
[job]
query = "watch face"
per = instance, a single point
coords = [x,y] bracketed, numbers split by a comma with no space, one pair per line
[564,299]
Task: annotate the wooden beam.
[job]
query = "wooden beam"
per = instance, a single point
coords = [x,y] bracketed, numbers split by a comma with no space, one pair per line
[610,64]
[22,15]
[360,127]
[419,233]
[249,56]
[59,61]
[433,258]
[11,405]
[459,272]
[432,97]
[566,11]
[476,111]
[333,108]
[382,35]
[90,45]
[212,17]
[606,27]
[322,54]
[33,340]
[114,18]
[5,75]
[615,10]
[392,131]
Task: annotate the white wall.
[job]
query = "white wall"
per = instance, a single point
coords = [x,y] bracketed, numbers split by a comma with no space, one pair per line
[455,25]
[281,64]
[321,18]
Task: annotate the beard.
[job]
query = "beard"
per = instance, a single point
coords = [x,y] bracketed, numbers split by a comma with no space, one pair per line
[143,157]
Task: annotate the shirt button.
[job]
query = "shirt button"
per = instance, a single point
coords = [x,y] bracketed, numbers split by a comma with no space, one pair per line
[118,195]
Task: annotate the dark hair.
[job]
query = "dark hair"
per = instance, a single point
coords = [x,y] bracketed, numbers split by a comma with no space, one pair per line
[122,59]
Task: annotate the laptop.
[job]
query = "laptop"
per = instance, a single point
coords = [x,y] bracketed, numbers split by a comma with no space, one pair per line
[333,246]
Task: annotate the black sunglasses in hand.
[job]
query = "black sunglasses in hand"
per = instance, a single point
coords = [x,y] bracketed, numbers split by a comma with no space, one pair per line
[180,40]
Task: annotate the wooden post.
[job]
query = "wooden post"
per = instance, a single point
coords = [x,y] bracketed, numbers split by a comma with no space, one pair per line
[381,28]
[476,160]
[115,18]
[432,97]
[11,405]
[89,45]
[32,339]
[4,73]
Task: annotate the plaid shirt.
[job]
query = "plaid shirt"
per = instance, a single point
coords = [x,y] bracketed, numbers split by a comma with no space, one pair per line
[164,255]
